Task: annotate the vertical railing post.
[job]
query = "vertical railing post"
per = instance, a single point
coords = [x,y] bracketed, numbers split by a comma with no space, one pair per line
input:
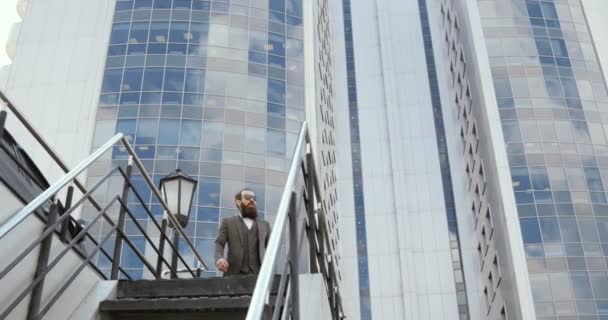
[293,258]
[68,204]
[161,248]
[121,221]
[174,255]
[43,260]
[310,190]
[2,122]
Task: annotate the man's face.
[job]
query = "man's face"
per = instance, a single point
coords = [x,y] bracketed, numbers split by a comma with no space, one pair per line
[247,204]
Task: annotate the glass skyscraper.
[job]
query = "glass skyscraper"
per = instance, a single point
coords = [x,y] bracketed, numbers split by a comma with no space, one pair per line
[462,145]
[553,109]
[214,88]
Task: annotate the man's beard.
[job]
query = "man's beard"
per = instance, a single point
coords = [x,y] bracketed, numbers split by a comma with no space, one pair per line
[249,212]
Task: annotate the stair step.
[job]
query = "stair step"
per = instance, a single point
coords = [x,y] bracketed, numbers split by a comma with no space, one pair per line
[208,287]
[216,308]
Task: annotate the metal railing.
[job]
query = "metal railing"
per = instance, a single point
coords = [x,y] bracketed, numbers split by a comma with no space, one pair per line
[286,305]
[57,215]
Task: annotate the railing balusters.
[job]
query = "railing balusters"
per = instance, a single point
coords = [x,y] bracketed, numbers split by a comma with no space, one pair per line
[293,257]
[121,221]
[43,260]
[68,205]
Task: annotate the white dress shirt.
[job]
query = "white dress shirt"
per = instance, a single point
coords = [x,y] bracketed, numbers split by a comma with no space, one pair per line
[248,222]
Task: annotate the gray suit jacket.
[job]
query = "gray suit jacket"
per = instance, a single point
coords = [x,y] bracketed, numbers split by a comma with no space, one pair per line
[230,233]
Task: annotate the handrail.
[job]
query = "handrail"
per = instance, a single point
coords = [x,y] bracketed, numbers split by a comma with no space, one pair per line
[262,286]
[47,194]
[6,227]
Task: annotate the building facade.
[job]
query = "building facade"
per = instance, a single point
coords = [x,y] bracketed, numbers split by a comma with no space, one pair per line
[461,144]
[478,157]
[215,88]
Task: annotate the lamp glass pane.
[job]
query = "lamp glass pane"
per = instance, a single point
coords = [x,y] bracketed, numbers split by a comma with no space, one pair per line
[171,194]
[187,191]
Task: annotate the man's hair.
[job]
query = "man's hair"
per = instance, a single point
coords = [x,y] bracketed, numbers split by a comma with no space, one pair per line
[238,195]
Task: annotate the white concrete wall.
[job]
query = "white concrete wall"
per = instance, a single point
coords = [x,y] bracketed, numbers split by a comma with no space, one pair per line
[408,247]
[55,77]
[349,285]
[19,278]
[313,306]
[596,12]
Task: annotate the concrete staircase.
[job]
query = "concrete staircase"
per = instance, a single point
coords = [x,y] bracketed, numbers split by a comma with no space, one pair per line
[184,299]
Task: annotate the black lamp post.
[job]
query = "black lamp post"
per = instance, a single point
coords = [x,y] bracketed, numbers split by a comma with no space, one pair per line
[177,190]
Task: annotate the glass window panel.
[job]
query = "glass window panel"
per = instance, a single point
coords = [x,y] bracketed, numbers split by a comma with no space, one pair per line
[581,132]
[530,230]
[153,79]
[544,46]
[570,88]
[146,131]
[602,228]
[257,40]
[576,179]
[581,285]
[208,214]
[276,91]
[569,230]
[548,9]
[511,131]
[539,177]
[159,32]
[588,230]
[521,180]
[218,35]
[199,32]
[111,81]
[213,133]
[502,87]
[174,79]
[168,131]
[594,181]
[599,283]
[120,33]
[127,127]
[294,7]
[179,32]
[276,5]
[559,48]
[550,230]
[143,4]
[190,133]
[275,142]
[195,80]
[276,44]
[534,9]
[541,289]
[132,79]
[215,82]
[209,191]
[564,131]
[139,33]
[554,87]
[255,139]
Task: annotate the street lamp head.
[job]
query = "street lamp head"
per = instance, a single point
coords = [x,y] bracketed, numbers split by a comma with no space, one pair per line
[177,190]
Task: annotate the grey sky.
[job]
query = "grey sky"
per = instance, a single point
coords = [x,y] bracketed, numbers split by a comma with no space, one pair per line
[8,16]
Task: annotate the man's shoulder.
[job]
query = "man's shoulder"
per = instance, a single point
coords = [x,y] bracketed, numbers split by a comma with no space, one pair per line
[262,221]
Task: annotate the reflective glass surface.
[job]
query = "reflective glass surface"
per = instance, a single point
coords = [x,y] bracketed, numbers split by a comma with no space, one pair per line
[214,88]
[554,111]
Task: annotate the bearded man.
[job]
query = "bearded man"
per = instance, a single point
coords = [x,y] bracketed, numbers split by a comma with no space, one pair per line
[246,235]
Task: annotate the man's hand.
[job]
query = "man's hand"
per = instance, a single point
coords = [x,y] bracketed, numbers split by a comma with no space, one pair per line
[222,265]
